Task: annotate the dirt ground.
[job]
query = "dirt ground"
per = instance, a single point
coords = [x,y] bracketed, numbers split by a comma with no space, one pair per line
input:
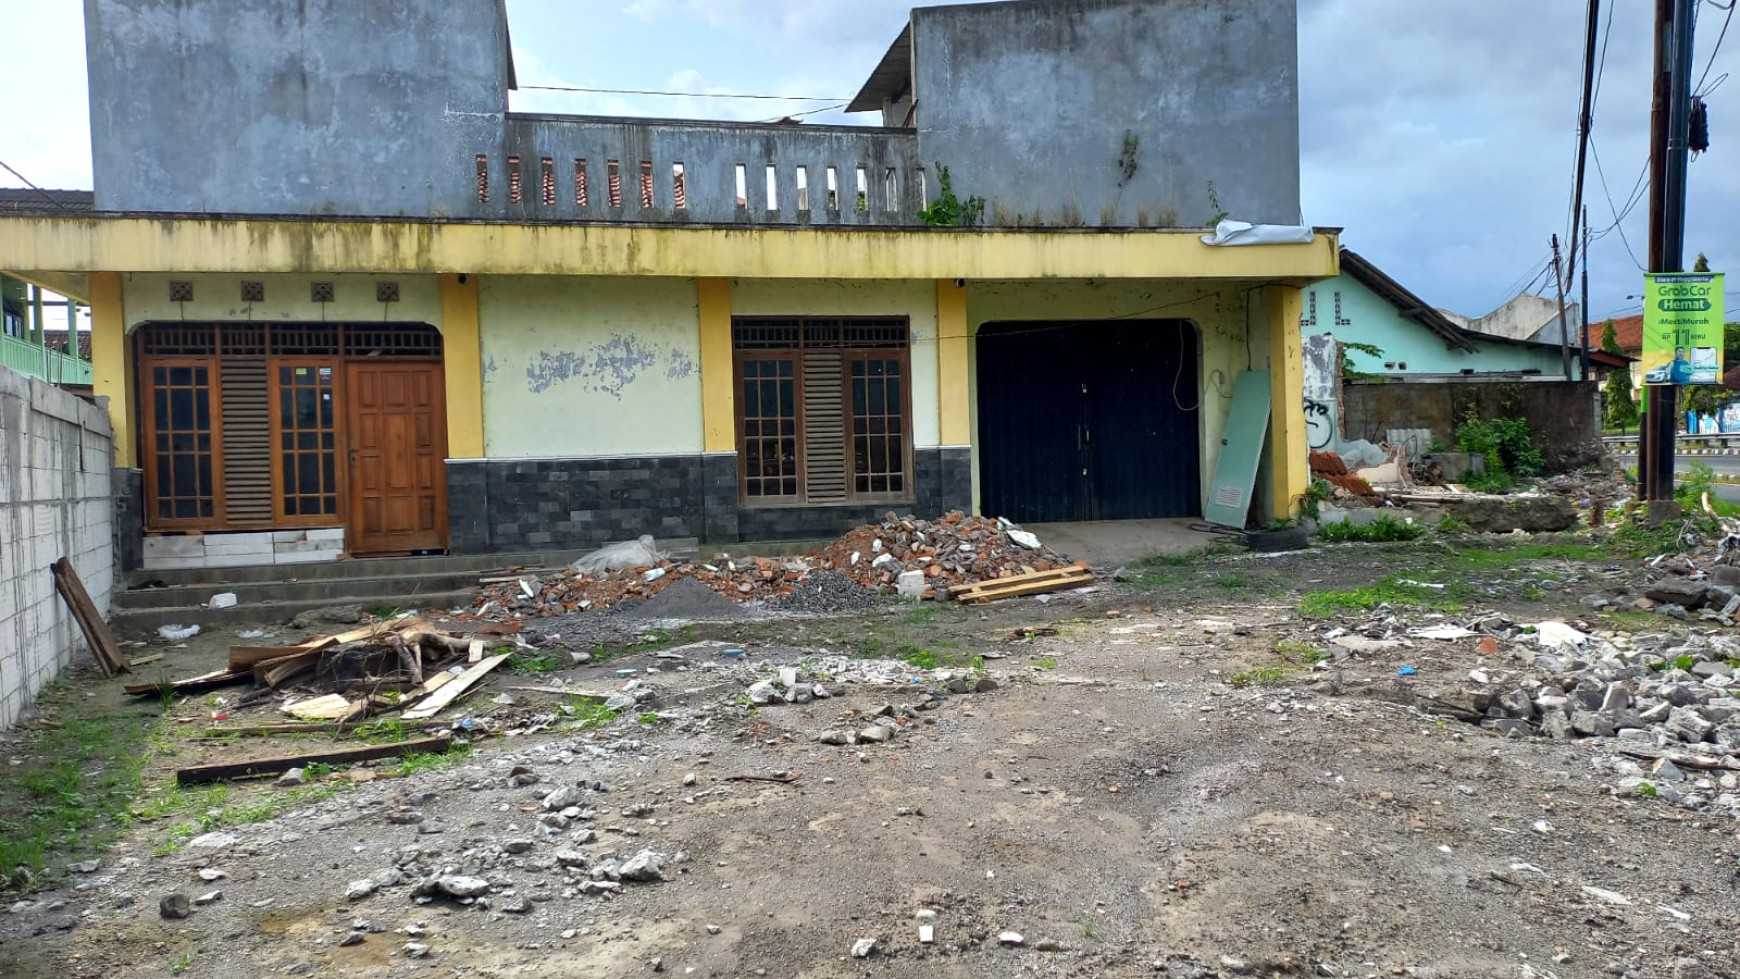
[1171,784]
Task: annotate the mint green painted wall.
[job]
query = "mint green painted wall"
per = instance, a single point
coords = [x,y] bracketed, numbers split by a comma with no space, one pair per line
[1371,319]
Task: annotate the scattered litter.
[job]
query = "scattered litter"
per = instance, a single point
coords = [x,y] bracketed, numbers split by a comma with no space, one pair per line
[1445,632]
[222,600]
[176,633]
[1406,670]
[1558,635]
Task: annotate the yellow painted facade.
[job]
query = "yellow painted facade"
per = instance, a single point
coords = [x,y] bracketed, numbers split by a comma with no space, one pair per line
[186,245]
[111,361]
[1289,450]
[586,367]
[608,340]
[953,375]
[462,365]
[718,387]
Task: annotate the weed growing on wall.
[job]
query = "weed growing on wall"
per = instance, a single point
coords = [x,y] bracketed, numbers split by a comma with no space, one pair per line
[949,211]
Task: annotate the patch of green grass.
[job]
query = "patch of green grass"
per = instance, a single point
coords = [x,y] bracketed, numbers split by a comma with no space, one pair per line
[1162,569]
[1232,580]
[533,661]
[648,718]
[924,659]
[1450,523]
[1299,651]
[1647,790]
[588,713]
[1045,663]
[74,793]
[922,614]
[180,963]
[383,611]
[1385,591]
[1493,558]
[219,807]
[1386,528]
[385,730]
[430,761]
[1260,675]
[666,638]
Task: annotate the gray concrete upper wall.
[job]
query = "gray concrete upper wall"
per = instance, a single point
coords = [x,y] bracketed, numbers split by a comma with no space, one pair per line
[710,154]
[1028,103]
[292,106]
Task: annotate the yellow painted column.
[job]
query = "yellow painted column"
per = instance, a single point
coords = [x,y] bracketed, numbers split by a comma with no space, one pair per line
[112,362]
[1289,451]
[462,364]
[718,370]
[953,402]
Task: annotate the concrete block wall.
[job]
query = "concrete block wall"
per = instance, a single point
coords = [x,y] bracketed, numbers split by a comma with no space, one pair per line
[244,549]
[55,454]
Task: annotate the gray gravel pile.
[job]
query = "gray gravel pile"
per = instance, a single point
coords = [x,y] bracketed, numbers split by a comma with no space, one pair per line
[828,592]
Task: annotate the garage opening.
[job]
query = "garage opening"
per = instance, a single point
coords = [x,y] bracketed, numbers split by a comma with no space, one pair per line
[1092,420]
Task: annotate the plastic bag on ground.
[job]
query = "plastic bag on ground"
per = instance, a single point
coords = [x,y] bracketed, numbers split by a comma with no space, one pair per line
[174,633]
[640,553]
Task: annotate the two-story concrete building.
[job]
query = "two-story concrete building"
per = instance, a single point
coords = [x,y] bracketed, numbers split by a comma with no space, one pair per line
[344,299]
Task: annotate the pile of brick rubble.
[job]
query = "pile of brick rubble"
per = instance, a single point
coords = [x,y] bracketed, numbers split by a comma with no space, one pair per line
[953,550]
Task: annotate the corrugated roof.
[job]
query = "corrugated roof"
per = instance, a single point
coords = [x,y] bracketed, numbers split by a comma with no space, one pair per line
[30,200]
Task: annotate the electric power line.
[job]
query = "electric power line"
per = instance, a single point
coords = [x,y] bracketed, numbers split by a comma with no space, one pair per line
[1698,89]
[1602,174]
[45,194]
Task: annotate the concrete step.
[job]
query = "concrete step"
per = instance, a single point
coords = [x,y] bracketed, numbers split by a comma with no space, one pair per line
[143,622]
[384,567]
[331,591]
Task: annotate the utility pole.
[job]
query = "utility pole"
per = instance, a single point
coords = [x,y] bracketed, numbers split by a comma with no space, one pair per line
[1586,298]
[1669,131]
[1580,213]
[1564,327]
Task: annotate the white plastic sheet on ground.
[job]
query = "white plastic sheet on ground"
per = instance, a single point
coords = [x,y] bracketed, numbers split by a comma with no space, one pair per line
[640,553]
[1558,635]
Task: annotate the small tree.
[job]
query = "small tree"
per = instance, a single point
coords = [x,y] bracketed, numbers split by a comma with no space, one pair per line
[1702,264]
[1618,406]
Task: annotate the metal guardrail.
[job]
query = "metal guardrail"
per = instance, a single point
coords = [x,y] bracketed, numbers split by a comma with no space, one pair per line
[1709,440]
[50,365]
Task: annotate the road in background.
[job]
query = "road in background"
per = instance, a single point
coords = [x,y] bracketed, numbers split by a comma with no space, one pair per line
[1722,466]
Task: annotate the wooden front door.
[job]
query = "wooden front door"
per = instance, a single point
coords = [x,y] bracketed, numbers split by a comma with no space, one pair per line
[398,444]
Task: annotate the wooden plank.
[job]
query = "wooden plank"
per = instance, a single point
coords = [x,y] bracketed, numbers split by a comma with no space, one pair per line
[475,653]
[204,681]
[272,672]
[84,611]
[141,661]
[1072,570]
[1017,588]
[199,774]
[452,691]
[245,657]
[993,584]
[328,708]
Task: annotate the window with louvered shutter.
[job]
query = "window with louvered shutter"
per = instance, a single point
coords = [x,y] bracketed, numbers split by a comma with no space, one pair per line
[247,449]
[823,410]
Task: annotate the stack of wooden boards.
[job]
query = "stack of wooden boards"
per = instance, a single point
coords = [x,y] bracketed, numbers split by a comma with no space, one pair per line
[1029,583]
[429,670]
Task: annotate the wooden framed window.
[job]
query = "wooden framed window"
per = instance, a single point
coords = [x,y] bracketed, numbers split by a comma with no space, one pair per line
[824,410]
[182,448]
[305,441]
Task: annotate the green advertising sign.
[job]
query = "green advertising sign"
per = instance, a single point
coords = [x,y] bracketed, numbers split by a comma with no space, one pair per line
[1682,328]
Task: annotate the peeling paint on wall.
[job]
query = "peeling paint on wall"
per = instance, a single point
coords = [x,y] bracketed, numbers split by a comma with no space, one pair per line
[609,367]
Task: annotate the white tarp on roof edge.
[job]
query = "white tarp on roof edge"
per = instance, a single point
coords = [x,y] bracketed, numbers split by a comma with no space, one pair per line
[1243,233]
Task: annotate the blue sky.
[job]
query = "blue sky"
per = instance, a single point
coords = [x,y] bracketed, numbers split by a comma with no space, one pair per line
[1440,135]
